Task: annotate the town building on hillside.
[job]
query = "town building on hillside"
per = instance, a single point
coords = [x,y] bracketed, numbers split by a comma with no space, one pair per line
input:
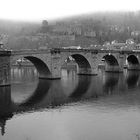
[137,46]
[63,37]
[135,33]
[130,41]
[118,45]
[90,33]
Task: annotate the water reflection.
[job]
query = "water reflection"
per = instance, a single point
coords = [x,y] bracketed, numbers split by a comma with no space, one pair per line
[20,74]
[110,82]
[40,92]
[82,87]
[132,79]
[71,88]
[6,111]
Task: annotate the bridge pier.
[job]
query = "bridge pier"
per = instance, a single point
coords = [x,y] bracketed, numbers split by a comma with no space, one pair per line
[5,76]
[116,67]
[54,67]
[55,73]
[5,68]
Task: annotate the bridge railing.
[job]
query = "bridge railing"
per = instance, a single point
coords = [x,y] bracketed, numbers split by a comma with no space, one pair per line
[28,51]
[98,48]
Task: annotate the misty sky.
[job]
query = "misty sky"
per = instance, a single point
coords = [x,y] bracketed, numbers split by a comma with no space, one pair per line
[34,10]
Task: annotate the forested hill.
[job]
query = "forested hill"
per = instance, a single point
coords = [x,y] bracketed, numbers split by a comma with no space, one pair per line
[83,30]
[131,19]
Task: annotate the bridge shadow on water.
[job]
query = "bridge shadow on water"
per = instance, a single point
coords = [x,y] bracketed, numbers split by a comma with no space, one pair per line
[110,83]
[132,79]
[6,111]
[40,92]
[50,94]
[82,87]
[8,108]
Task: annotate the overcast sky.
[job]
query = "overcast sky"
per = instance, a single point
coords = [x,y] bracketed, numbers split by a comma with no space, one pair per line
[34,10]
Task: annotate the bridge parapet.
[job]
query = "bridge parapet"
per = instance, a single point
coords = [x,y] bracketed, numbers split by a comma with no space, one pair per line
[29,51]
[5,68]
[96,50]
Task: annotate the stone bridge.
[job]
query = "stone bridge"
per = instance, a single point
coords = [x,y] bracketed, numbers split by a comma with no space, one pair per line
[49,62]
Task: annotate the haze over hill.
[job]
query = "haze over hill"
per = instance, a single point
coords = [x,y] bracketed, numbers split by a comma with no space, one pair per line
[15,27]
[83,30]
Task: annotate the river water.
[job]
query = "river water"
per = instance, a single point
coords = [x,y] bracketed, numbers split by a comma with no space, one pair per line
[102,107]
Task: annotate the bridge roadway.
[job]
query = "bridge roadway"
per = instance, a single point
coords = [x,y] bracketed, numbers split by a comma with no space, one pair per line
[59,50]
[49,62]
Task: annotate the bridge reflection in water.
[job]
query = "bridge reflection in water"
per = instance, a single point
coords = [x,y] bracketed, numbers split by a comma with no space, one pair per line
[71,88]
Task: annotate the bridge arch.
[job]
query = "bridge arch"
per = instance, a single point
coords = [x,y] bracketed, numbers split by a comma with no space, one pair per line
[111,60]
[84,66]
[40,65]
[133,62]
[112,63]
[132,59]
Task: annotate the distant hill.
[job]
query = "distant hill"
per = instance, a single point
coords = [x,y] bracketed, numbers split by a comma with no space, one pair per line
[131,19]
[84,30]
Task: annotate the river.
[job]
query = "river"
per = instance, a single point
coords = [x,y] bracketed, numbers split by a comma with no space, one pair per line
[76,107]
